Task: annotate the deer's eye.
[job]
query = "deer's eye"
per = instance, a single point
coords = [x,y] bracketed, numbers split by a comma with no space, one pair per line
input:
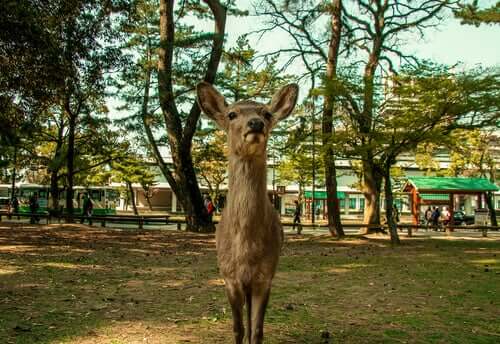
[268,115]
[231,115]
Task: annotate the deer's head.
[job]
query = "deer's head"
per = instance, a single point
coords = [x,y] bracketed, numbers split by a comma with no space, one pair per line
[247,123]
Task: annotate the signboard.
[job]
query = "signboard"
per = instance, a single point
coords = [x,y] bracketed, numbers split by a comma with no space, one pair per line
[481,217]
[281,189]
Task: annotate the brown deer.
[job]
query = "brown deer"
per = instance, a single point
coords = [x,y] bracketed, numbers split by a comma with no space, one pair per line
[249,235]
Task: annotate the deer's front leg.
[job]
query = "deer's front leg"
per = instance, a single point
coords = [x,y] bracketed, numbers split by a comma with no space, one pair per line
[260,297]
[236,298]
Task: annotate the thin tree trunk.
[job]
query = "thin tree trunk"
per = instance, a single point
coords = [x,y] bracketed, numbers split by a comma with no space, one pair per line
[70,158]
[491,208]
[389,201]
[372,185]
[132,197]
[184,182]
[13,186]
[54,170]
[54,191]
[332,201]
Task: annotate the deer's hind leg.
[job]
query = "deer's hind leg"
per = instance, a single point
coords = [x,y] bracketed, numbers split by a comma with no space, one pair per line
[236,296]
[260,298]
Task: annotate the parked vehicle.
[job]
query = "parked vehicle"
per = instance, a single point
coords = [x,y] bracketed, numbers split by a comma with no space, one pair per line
[104,198]
[460,218]
[4,203]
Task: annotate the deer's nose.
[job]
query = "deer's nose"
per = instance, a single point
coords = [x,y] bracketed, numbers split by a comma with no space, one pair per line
[256,124]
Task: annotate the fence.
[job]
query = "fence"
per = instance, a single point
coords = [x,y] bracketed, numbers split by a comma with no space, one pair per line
[142,220]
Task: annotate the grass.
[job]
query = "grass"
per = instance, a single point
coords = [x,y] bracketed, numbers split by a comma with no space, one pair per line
[76,284]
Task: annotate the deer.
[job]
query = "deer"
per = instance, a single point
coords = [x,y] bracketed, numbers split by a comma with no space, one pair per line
[249,235]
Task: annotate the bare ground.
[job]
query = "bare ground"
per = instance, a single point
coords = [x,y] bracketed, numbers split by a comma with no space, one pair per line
[79,284]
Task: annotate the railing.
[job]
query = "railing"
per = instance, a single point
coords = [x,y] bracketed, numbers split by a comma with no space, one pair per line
[142,220]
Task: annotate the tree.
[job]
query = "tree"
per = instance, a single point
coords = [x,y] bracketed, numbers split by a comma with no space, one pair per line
[64,50]
[327,121]
[298,163]
[210,158]
[471,14]
[426,105]
[240,77]
[180,125]
[130,170]
[472,153]
[319,53]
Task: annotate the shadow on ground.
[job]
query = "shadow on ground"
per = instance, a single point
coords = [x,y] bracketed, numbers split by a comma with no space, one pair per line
[79,284]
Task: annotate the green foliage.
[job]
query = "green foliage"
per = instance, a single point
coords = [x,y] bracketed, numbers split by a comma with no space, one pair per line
[471,14]
[472,153]
[297,165]
[210,159]
[422,104]
[241,79]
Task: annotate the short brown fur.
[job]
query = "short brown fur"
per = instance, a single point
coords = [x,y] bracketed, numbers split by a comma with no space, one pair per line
[249,235]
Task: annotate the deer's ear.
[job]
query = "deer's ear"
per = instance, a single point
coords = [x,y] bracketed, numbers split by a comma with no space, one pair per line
[284,101]
[212,103]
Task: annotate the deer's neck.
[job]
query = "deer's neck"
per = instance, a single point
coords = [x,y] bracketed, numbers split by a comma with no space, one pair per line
[247,189]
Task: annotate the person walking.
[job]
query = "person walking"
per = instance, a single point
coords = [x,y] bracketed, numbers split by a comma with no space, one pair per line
[87,208]
[33,204]
[296,217]
[15,204]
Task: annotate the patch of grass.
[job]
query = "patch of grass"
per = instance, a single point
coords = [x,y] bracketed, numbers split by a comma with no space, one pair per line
[75,284]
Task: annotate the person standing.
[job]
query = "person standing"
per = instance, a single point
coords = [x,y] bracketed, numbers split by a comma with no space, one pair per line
[210,208]
[428,217]
[446,216]
[395,215]
[436,214]
[296,217]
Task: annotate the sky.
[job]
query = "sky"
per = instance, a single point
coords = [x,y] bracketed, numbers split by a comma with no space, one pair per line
[450,43]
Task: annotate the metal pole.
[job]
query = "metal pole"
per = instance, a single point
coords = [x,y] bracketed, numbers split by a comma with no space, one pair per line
[274,173]
[313,206]
[13,175]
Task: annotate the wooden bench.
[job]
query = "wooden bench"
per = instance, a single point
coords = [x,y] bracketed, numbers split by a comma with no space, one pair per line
[141,220]
[9,215]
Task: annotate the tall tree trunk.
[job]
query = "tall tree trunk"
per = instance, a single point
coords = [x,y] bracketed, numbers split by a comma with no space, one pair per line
[132,197]
[332,201]
[184,182]
[55,168]
[54,191]
[372,185]
[148,197]
[372,178]
[389,202]
[70,159]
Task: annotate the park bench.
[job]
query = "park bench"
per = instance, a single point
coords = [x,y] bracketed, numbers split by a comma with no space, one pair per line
[40,215]
[141,220]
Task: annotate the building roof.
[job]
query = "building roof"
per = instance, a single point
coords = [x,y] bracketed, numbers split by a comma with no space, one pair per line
[450,184]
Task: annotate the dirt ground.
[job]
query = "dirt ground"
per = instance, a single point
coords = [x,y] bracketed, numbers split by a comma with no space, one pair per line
[80,284]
